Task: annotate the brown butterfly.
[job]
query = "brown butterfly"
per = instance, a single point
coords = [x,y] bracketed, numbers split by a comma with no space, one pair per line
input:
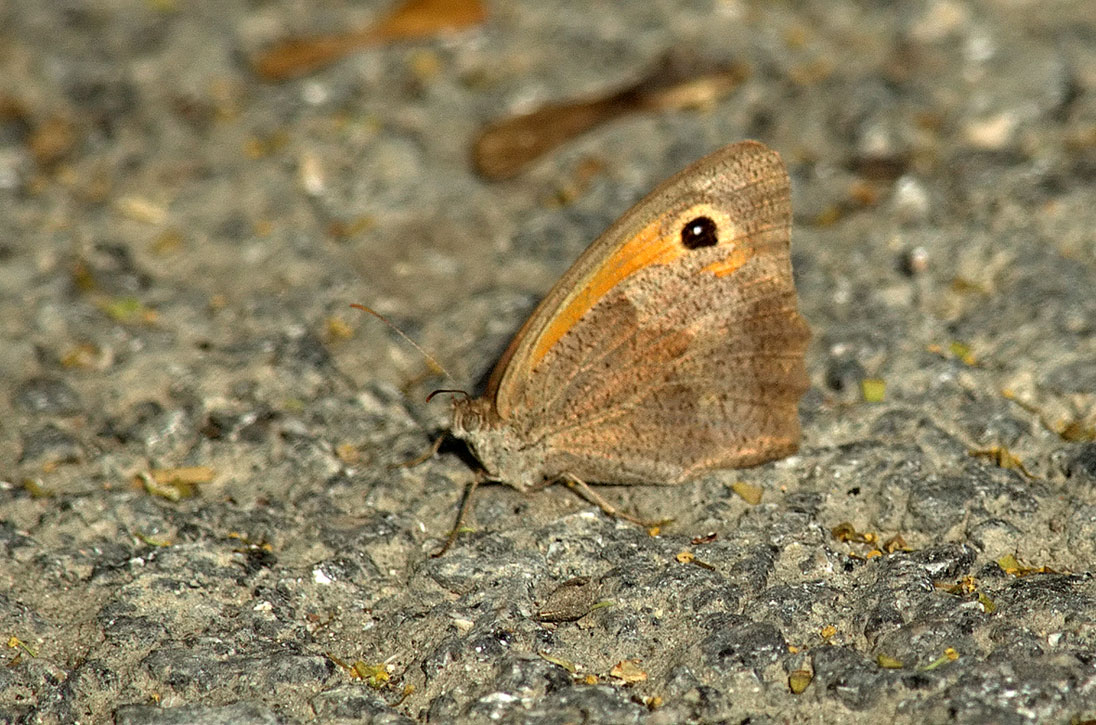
[672,346]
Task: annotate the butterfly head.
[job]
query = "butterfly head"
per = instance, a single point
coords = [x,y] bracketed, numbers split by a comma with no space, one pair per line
[495,444]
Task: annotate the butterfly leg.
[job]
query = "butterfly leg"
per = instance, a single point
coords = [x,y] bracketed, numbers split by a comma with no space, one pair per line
[430,453]
[579,486]
[458,526]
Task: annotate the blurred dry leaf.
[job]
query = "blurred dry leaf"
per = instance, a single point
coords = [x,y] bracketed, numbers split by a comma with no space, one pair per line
[171,490]
[889,663]
[87,356]
[1074,429]
[336,328]
[1012,566]
[505,147]
[571,600]
[186,474]
[127,310]
[1002,458]
[880,168]
[167,242]
[748,492]
[950,655]
[35,489]
[342,231]
[141,209]
[375,675]
[174,484]
[154,541]
[845,532]
[412,19]
[51,140]
[799,680]
[559,662]
[688,557]
[896,543]
[628,672]
[16,643]
[966,585]
[873,390]
[962,353]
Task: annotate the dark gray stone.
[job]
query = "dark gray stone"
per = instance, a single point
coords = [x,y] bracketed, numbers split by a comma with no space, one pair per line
[844,375]
[443,708]
[356,703]
[847,675]
[793,602]
[596,704]
[937,504]
[111,268]
[239,713]
[1082,464]
[524,674]
[161,432]
[47,396]
[736,644]
[50,445]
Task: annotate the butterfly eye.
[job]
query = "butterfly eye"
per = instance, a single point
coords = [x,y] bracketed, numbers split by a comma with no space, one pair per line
[700,232]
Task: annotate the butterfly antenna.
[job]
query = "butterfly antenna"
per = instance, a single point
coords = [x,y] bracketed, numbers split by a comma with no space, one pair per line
[439,391]
[430,358]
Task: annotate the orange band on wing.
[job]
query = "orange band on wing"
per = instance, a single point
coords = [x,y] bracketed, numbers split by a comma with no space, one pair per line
[645,249]
[738,257]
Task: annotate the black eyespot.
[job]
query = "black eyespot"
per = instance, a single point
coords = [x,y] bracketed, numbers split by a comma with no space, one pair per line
[700,232]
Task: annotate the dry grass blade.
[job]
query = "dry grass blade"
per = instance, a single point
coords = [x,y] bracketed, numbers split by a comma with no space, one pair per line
[505,147]
[412,19]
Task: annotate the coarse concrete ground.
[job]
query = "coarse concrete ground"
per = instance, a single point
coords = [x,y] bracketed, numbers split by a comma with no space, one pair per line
[179,244]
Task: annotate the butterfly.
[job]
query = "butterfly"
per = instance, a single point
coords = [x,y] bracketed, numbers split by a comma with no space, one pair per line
[671,347]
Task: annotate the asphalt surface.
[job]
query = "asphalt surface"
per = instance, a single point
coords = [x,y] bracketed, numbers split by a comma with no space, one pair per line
[199,516]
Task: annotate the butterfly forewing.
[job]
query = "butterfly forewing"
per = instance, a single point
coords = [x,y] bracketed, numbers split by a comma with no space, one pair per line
[684,350]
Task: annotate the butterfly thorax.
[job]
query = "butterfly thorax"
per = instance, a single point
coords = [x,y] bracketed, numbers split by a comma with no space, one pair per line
[497,446]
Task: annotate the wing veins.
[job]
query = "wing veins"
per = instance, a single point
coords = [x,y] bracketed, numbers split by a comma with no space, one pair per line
[654,343]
